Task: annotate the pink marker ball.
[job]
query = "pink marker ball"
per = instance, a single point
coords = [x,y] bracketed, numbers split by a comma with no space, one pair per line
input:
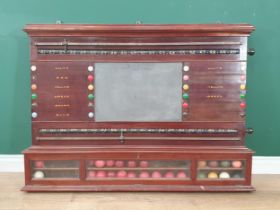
[144,164]
[131,164]
[236,164]
[91,174]
[111,174]
[156,175]
[186,77]
[243,78]
[121,174]
[131,174]
[181,175]
[99,163]
[169,175]
[100,174]
[119,163]
[110,163]
[144,175]
[39,164]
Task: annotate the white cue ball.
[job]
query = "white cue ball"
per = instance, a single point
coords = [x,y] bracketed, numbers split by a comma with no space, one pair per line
[38,175]
[224,175]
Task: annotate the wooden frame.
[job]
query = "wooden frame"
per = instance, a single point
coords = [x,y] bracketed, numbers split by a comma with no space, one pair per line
[212,125]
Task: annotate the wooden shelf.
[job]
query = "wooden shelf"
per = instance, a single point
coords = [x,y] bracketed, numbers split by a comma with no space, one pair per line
[135,169]
[55,178]
[230,179]
[155,179]
[55,169]
[220,169]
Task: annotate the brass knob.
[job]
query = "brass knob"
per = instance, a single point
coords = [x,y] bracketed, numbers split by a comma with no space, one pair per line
[251,51]
[249,130]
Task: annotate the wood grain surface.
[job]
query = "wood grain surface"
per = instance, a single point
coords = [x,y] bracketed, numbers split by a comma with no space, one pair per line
[266,197]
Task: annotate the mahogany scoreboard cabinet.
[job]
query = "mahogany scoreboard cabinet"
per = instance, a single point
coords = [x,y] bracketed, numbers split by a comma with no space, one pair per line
[138,108]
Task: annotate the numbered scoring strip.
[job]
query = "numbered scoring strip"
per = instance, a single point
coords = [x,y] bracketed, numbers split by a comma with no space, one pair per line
[135,130]
[142,52]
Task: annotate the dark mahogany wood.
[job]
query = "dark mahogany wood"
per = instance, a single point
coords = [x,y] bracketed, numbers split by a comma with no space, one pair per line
[216,55]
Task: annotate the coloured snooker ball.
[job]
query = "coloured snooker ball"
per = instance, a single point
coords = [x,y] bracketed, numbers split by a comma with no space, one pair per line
[224,175]
[39,175]
[236,164]
[201,175]
[225,163]
[213,163]
[212,175]
[202,164]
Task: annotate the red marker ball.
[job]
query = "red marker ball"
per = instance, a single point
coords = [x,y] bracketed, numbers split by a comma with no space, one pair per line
[144,175]
[144,164]
[99,163]
[185,105]
[169,175]
[111,174]
[91,174]
[131,174]
[131,164]
[39,164]
[121,174]
[243,105]
[119,163]
[90,78]
[156,175]
[110,163]
[181,174]
[100,174]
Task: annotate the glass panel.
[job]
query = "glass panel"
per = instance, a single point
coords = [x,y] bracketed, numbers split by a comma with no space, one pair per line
[220,169]
[138,91]
[138,169]
[57,169]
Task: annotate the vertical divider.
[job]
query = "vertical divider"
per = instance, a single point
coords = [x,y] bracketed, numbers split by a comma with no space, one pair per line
[82,169]
[193,170]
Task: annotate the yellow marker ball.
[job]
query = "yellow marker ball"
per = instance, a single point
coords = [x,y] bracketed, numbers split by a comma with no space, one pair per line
[33,86]
[186,87]
[90,87]
[242,87]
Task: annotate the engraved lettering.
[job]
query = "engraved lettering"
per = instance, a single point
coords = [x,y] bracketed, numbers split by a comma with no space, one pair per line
[61,87]
[215,86]
[214,96]
[61,96]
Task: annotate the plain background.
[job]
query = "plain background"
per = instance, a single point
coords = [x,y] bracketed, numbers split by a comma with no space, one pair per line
[263,97]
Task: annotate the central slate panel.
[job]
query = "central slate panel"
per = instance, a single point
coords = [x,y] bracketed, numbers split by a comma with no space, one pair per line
[144,92]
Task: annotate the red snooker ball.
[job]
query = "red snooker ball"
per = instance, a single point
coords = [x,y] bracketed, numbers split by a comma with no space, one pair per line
[100,174]
[131,164]
[121,174]
[119,163]
[110,163]
[156,175]
[111,174]
[39,164]
[99,163]
[91,174]
[131,174]
[144,175]
[169,175]
[181,174]
[144,164]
